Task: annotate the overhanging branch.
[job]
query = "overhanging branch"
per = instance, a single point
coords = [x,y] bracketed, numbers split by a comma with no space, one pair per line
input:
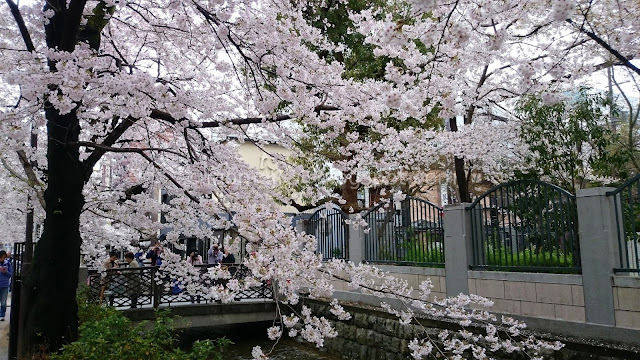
[623,60]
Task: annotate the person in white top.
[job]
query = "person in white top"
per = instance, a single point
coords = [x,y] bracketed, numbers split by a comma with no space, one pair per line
[215,255]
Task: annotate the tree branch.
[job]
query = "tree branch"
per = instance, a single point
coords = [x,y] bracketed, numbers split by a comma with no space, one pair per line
[26,37]
[623,60]
[105,148]
[31,176]
[162,115]
[111,139]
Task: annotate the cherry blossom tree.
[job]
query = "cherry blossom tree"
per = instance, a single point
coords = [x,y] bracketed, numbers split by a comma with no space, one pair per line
[152,90]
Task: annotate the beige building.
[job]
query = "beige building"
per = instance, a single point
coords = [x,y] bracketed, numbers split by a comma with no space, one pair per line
[260,158]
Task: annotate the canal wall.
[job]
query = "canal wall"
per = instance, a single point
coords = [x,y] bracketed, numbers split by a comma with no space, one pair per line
[375,334]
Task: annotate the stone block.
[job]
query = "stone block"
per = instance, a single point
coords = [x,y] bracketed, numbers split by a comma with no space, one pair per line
[517,290]
[577,295]
[506,306]
[493,289]
[361,336]
[554,294]
[629,299]
[535,309]
[411,279]
[443,285]
[628,319]
[360,320]
[570,313]
[435,281]
[472,286]
[437,295]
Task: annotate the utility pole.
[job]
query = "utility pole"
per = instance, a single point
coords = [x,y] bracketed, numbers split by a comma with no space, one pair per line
[612,121]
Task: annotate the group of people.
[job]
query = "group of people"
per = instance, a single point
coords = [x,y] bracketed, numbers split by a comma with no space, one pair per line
[216,255]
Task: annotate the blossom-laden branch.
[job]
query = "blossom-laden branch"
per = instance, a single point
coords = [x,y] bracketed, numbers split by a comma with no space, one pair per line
[623,60]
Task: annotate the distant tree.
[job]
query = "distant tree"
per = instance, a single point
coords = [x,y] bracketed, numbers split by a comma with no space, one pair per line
[571,144]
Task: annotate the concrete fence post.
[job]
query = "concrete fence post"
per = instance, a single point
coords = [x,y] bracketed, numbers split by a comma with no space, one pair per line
[356,240]
[598,232]
[458,251]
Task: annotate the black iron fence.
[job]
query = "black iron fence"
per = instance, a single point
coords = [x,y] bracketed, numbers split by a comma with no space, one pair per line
[332,234]
[151,287]
[627,207]
[525,226]
[410,234]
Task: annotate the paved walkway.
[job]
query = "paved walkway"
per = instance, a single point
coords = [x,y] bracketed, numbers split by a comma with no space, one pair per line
[4,332]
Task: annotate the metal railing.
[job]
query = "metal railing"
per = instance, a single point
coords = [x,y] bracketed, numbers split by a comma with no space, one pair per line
[151,287]
[331,232]
[411,234]
[525,225]
[626,199]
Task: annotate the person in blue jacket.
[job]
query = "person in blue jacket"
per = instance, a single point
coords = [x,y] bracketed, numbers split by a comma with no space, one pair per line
[6,271]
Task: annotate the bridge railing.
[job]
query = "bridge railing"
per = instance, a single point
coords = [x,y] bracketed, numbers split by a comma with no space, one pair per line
[151,287]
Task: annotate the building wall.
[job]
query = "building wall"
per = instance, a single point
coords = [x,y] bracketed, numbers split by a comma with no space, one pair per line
[266,165]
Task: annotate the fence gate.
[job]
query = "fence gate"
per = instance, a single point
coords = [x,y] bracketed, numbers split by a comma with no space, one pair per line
[525,226]
[627,206]
[331,232]
[410,233]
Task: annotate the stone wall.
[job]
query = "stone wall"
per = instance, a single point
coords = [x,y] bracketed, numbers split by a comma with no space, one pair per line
[549,296]
[626,301]
[369,335]
[372,334]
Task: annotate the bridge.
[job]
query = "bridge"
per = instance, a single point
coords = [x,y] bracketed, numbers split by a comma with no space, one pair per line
[138,292]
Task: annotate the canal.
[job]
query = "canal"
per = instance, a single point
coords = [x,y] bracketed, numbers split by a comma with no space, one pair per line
[246,336]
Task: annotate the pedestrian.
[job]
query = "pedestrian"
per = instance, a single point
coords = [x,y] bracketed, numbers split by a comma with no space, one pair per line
[227,257]
[138,257]
[133,279]
[6,271]
[110,263]
[194,258]
[154,255]
[229,260]
[214,254]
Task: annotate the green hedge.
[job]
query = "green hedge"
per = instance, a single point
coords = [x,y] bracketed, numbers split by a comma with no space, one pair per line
[106,334]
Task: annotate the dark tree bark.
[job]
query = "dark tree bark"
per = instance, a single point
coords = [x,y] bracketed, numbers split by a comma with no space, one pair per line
[461,175]
[51,284]
[52,317]
[350,193]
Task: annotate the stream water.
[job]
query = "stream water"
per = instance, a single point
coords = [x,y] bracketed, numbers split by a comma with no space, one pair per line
[246,336]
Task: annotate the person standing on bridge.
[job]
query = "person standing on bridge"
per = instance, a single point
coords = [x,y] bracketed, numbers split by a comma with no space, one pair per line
[215,255]
[194,258]
[133,279]
[6,271]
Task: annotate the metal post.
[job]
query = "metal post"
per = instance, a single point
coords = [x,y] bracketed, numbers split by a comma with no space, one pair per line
[26,264]
[155,289]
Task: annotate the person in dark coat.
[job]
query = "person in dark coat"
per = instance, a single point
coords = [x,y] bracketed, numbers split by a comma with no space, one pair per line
[6,272]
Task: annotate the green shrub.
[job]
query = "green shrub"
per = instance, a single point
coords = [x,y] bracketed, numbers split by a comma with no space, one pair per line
[106,334]
[529,258]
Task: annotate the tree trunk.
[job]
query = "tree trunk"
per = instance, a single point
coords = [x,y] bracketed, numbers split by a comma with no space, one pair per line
[50,287]
[51,284]
[461,176]
[350,193]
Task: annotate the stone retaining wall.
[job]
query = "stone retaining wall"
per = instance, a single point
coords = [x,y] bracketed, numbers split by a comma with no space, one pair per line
[626,301]
[548,296]
[376,335]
